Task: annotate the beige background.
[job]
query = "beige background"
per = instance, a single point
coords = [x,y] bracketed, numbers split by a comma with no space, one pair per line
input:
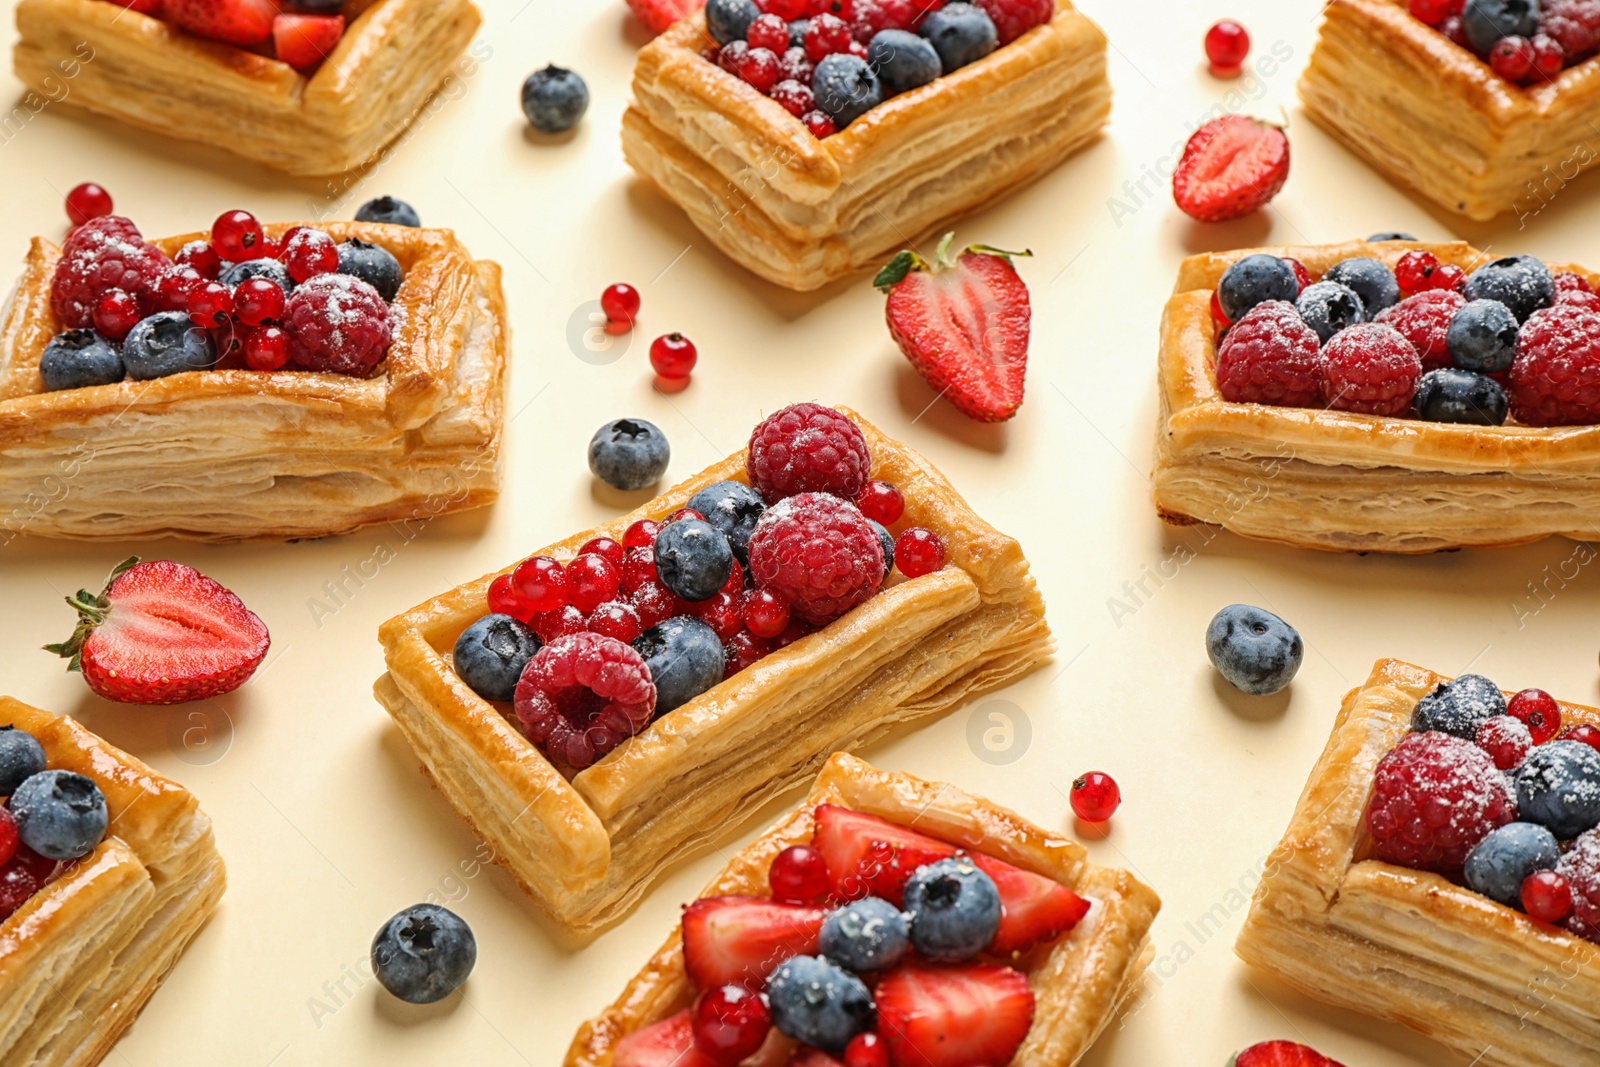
[325,822]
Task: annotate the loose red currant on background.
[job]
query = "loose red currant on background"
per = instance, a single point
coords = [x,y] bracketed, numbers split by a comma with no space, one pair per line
[820,123]
[787,10]
[1431,12]
[1546,896]
[881,502]
[1512,58]
[267,348]
[591,581]
[9,838]
[729,1024]
[673,355]
[1584,733]
[1095,797]
[684,513]
[799,875]
[765,612]
[918,551]
[617,619]
[1415,270]
[310,253]
[641,534]
[604,546]
[505,600]
[542,582]
[654,602]
[769,32]
[237,236]
[866,1050]
[210,304]
[551,625]
[115,313]
[620,305]
[1538,711]
[721,613]
[258,300]
[1227,45]
[1549,58]
[87,201]
[827,35]
[200,257]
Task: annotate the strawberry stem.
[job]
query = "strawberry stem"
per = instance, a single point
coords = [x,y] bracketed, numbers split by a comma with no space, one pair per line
[894,272]
[93,609]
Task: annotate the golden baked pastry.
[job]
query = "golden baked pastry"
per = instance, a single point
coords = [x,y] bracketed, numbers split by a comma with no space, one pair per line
[1079,983]
[1411,946]
[79,960]
[1344,481]
[587,848]
[1435,118]
[801,212]
[225,455]
[147,73]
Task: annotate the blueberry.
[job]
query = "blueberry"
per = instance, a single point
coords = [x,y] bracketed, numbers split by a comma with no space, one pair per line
[729,20]
[733,508]
[1451,395]
[1256,651]
[390,210]
[846,88]
[868,935]
[685,659]
[491,653]
[1522,283]
[422,954]
[1486,21]
[373,265]
[1390,235]
[818,1003]
[1482,337]
[693,559]
[960,33]
[797,32]
[60,815]
[903,60]
[629,454]
[166,343]
[1558,787]
[1328,307]
[1501,862]
[886,539]
[1253,280]
[554,99]
[79,358]
[21,757]
[1373,282]
[1458,708]
[270,269]
[954,909]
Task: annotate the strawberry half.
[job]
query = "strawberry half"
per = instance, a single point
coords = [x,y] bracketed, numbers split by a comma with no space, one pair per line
[668,1043]
[964,323]
[871,857]
[1230,167]
[741,940]
[954,1016]
[242,22]
[1281,1054]
[657,15]
[303,41]
[162,633]
[1034,909]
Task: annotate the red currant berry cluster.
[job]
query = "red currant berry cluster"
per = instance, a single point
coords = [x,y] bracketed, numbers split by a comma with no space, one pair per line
[1559,36]
[1421,272]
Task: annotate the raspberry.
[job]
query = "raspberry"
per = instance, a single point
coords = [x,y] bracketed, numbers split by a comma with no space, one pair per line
[1567,282]
[819,553]
[103,254]
[1371,369]
[1581,868]
[1013,18]
[1423,319]
[1575,25]
[583,695]
[1271,357]
[1555,380]
[808,448]
[337,323]
[1579,299]
[1434,798]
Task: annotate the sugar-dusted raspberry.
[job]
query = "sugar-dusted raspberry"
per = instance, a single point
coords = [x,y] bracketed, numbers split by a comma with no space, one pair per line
[1580,866]
[1423,319]
[1579,299]
[583,695]
[1434,798]
[1575,25]
[1555,380]
[1372,369]
[808,448]
[337,323]
[819,553]
[1568,282]
[1271,357]
[1013,18]
[103,254]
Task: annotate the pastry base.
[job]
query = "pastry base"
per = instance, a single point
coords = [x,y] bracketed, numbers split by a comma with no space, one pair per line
[147,73]
[801,212]
[586,849]
[79,960]
[1433,117]
[1410,946]
[1079,981]
[228,455]
[1341,481]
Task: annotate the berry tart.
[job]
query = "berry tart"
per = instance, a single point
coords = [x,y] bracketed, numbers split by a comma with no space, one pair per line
[614,701]
[313,87]
[888,920]
[807,138]
[110,870]
[1483,107]
[1442,869]
[251,382]
[1385,396]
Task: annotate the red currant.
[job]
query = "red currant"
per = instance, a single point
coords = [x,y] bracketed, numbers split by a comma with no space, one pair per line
[1546,896]
[210,304]
[618,619]
[827,35]
[1415,270]
[844,9]
[881,502]
[1582,732]
[730,55]
[638,568]
[759,68]
[795,65]
[200,257]
[796,99]
[1549,58]
[1506,741]
[918,551]
[684,513]
[744,650]
[1302,276]
[673,355]
[866,1050]
[799,875]
[769,32]
[1219,316]
[1431,12]
[542,582]
[730,1024]
[1453,28]
[654,602]
[9,840]
[796,629]
[765,612]
[735,583]
[820,123]
[1449,277]
[1095,797]
[604,546]
[721,613]
[1512,58]
[858,49]
[550,625]
[87,201]
[1538,711]
[1566,280]
[1227,45]
[115,313]
[591,581]
[505,600]
[641,534]
[787,10]
[172,291]
[258,300]
[237,236]
[267,348]
[620,303]
[17,884]
[310,253]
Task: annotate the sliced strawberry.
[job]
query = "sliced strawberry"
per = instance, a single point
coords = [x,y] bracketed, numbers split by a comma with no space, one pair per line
[1035,909]
[243,22]
[1230,167]
[964,323]
[657,15]
[967,1016]
[163,633]
[740,940]
[871,857]
[143,7]
[303,41]
[668,1043]
[1281,1054]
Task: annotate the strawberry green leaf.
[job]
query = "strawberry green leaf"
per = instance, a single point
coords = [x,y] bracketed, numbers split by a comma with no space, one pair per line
[894,272]
[92,609]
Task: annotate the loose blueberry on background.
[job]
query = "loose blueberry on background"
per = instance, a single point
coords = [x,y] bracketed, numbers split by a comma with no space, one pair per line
[390,210]
[1522,283]
[954,908]
[1373,282]
[693,559]
[373,265]
[423,953]
[1254,280]
[903,60]
[867,935]
[629,454]
[1501,862]
[60,815]
[886,539]
[166,343]
[846,88]
[1257,652]
[1558,787]
[729,20]
[1390,235]
[960,33]
[819,1004]
[21,757]
[79,358]
[554,99]
[1459,707]
[685,659]
[734,508]
[491,654]
[270,269]
[1328,307]
[1482,337]
[1486,21]
[1452,395]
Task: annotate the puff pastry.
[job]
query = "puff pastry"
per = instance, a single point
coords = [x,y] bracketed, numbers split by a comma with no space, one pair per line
[1079,983]
[801,212]
[1435,118]
[147,73]
[1410,946]
[225,455]
[79,960]
[1343,481]
[588,848]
